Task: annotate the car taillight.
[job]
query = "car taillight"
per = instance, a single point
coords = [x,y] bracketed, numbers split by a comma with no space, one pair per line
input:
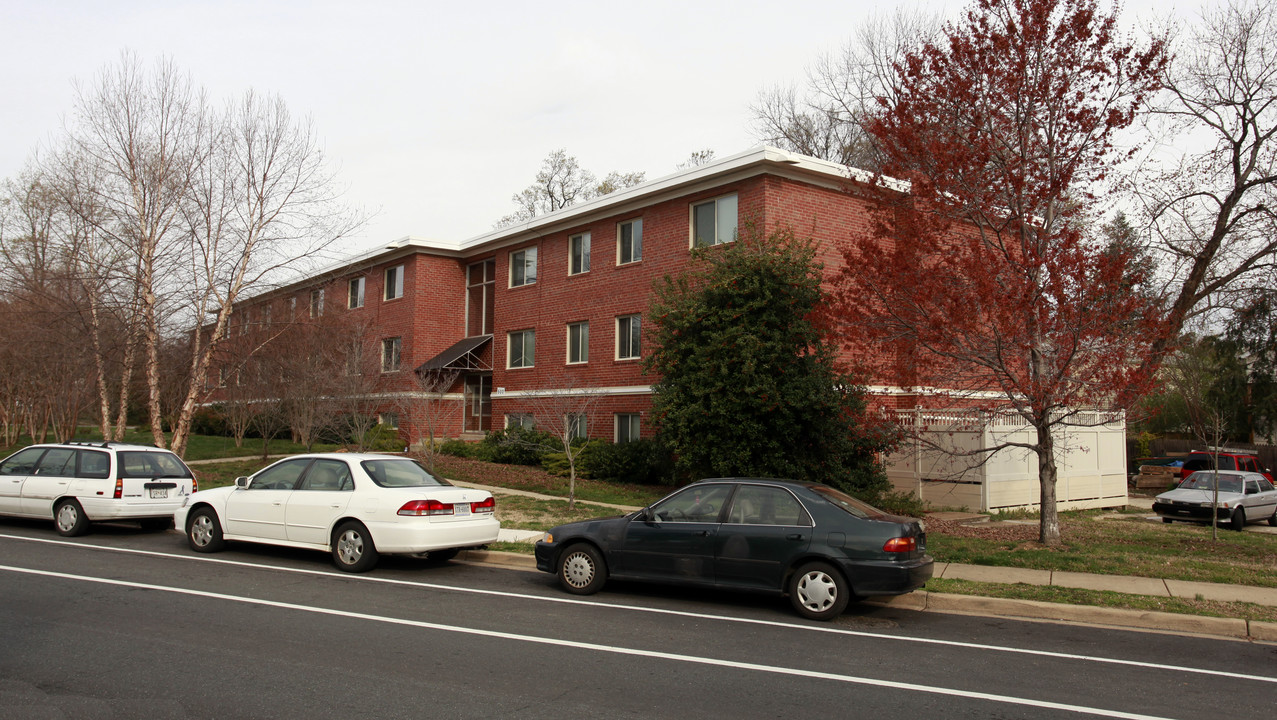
[425,507]
[901,544]
[195,483]
[119,488]
[484,506]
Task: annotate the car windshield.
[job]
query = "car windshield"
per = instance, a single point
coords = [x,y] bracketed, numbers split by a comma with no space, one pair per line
[1206,481]
[859,508]
[400,473]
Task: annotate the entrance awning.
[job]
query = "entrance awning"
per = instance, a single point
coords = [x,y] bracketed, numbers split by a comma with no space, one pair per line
[463,355]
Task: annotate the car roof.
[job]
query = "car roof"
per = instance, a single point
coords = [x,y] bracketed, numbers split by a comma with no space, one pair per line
[356,457]
[103,446]
[759,480]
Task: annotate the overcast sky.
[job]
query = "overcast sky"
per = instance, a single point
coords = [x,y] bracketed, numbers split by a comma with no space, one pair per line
[434,114]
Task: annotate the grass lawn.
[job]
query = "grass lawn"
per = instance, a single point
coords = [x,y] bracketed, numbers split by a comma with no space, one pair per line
[521,477]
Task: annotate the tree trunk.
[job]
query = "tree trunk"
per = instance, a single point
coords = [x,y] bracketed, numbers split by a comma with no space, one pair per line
[1049,530]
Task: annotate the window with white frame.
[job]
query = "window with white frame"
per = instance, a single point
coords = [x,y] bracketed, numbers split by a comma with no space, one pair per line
[578,342]
[523,267]
[578,426]
[388,419]
[247,320]
[394,283]
[628,335]
[629,241]
[523,345]
[266,311]
[390,348]
[714,222]
[355,358]
[627,427]
[316,302]
[355,298]
[523,420]
[579,254]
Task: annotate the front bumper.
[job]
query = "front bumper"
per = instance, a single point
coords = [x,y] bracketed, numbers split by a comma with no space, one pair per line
[1200,513]
[545,554]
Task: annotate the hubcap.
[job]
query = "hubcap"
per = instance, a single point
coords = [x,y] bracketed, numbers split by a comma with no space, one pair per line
[350,547]
[67,517]
[817,591]
[578,570]
[202,530]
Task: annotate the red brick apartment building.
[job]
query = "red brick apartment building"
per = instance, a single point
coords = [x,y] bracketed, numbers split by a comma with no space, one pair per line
[555,305]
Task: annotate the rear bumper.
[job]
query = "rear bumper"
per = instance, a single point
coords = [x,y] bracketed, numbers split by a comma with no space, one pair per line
[415,537]
[870,577]
[102,509]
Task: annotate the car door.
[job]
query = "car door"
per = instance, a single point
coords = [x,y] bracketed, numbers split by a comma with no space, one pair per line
[766,528]
[675,541]
[321,498]
[52,475]
[258,511]
[13,473]
[1259,504]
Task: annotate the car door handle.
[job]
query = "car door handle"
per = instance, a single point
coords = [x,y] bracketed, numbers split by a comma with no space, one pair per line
[703,533]
[795,536]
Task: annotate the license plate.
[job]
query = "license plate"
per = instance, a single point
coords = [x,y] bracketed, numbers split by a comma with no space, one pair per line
[159,493]
[461,509]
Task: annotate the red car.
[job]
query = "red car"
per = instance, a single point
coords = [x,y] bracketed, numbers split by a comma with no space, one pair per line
[1242,460]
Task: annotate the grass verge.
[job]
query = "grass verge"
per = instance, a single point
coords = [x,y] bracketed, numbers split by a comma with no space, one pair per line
[1103,598]
[521,477]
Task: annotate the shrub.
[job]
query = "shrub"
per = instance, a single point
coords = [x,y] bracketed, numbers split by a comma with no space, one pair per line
[457,448]
[517,445]
[640,461]
[210,420]
[899,503]
[383,438]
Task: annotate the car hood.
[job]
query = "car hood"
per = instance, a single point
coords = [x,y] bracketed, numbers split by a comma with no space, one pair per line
[1194,495]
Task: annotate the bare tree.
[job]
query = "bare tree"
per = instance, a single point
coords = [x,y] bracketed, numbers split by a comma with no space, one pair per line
[562,182]
[1191,372]
[696,159]
[826,117]
[565,413]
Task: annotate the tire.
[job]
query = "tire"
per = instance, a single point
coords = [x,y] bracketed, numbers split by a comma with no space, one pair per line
[353,549]
[1238,522]
[439,557]
[1168,521]
[818,591]
[204,532]
[69,519]
[157,524]
[1273,519]
[581,569]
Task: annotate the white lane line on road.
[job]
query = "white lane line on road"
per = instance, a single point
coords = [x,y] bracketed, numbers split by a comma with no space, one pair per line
[663,611]
[774,669]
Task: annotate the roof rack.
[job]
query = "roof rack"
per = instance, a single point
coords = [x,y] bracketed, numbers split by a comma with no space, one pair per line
[90,443]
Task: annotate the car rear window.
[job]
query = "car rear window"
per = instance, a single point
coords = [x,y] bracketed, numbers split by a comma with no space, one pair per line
[400,473]
[147,464]
[859,508]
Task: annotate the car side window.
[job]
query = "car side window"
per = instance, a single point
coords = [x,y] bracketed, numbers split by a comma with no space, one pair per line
[280,476]
[58,462]
[94,464]
[1252,487]
[1264,485]
[23,463]
[1226,463]
[760,505]
[330,475]
[694,504]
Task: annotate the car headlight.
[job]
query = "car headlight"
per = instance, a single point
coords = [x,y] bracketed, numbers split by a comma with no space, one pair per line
[547,538]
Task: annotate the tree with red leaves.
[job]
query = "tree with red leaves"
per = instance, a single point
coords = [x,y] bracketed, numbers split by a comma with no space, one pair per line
[986,275]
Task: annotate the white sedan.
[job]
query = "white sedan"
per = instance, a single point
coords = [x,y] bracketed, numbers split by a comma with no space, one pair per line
[355,506]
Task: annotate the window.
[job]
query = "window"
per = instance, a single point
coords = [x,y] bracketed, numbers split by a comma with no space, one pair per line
[579,342]
[316,302]
[760,505]
[578,426]
[356,298]
[698,503]
[280,476]
[328,475]
[579,254]
[390,354]
[523,267]
[355,358]
[627,427]
[714,222]
[94,465]
[523,345]
[292,308]
[629,242]
[248,320]
[388,419]
[481,285]
[628,331]
[522,420]
[266,316]
[394,282]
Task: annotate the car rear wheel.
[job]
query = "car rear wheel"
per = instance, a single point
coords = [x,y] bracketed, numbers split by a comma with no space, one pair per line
[69,519]
[1239,520]
[818,591]
[353,549]
[1168,521]
[203,532]
[582,570]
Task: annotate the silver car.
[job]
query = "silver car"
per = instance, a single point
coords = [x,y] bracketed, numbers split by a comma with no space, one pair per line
[1243,497]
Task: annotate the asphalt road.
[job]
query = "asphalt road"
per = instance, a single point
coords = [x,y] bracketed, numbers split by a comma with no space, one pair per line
[126,624]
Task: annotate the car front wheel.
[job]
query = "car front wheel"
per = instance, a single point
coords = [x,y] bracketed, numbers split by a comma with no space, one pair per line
[353,548]
[582,570]
[1239,520]
[69,519]
[1273,519]
[203,532]
[818,591]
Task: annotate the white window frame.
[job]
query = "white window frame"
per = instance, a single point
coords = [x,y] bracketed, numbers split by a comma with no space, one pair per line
[583,344]
[636,248]
[634,321]
[529,358]
[388,419]
[317,302]
[721,207]
[391,354]
[577,426]
[579,254]
[527,260]
[633,424]
[394,283]
[523,420]
[355,293]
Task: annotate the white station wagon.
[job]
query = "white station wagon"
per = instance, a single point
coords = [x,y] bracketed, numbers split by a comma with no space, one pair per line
[78,483]
[355,506]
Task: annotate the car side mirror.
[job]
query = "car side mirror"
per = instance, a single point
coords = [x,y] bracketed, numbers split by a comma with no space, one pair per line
[241,482]
[646,515]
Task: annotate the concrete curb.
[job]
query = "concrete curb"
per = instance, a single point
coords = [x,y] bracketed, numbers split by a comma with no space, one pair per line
[923,601]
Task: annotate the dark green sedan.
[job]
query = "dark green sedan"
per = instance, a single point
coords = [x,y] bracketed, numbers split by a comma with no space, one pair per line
[819,546]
